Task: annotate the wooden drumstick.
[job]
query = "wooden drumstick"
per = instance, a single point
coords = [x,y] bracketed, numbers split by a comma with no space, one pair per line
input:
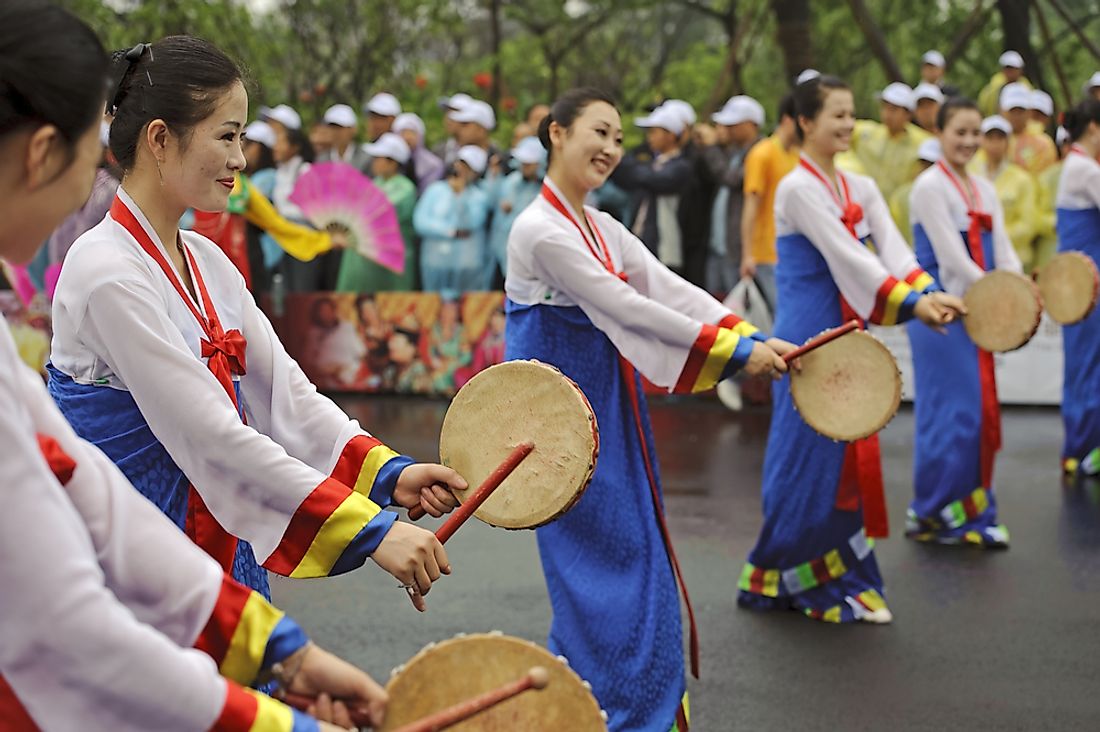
[820,340]
[480,495]
[536,678]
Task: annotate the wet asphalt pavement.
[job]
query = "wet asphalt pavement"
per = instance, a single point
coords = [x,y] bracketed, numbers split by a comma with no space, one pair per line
[981,640]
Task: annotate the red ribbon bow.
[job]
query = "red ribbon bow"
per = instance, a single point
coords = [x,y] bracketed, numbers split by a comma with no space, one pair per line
[226,353]
[853,213]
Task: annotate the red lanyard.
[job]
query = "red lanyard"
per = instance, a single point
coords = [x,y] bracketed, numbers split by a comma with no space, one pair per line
[605,257]
[851,213]
[225,350]
[979,220]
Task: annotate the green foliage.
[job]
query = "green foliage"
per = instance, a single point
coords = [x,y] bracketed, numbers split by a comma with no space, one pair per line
[313,53]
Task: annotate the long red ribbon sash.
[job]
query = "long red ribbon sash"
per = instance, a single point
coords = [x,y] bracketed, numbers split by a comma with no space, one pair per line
[225,352]
[861,473]
[628,373]
[991,409]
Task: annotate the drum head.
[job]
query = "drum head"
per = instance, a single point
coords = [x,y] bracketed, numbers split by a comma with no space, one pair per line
[1069,283]
[511,403]
[1004,311]
[849,388]
[453,671]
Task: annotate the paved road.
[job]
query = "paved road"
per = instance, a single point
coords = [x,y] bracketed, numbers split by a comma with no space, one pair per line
[981,640]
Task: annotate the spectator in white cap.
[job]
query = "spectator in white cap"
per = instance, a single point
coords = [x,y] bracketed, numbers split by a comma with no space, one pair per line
[447,150]
[1016,188]
[388,154]
[887,151]
[1041,109]
[929,98]
[1092,86]
[738,126]
[806,75]
[932,67]
[259,142]
[344,125]
[282,114]
[510,196]
[424,166]
[1031,149]
[927,155]
[451,220]
[659,184]
[1012,71]
[475,121]
[382,110]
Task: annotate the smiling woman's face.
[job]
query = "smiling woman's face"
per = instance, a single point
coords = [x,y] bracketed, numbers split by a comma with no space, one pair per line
[200,172]
[591,147]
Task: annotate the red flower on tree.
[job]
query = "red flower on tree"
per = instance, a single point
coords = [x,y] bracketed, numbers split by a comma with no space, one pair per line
[483,79]
[421,81]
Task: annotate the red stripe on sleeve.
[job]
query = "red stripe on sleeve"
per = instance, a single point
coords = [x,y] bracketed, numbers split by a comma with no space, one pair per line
[351,459]
[238,712]
[729,321]
[697,356]
[912,276]
[881,297]
[216,636]
[305,525]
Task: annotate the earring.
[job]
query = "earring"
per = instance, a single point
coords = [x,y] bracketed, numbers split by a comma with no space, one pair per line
[160,174]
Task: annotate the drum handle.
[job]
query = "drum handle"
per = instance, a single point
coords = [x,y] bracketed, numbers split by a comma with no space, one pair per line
[480,495]
[820,340]
[536,678]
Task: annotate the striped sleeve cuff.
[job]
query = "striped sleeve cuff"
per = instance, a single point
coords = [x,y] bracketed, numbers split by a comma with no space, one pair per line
[921,281]
[894,302]
[245,634]
[370,468]
[741,327]
[333,531]
[711,354]
[247,710]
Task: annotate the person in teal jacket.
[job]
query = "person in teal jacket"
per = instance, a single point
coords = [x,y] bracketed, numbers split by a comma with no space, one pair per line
[511,194]
[451,221]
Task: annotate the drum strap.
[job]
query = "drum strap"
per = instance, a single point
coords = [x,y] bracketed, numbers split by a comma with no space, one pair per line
[603,254]
[991,408]
[225,351]
[861,474]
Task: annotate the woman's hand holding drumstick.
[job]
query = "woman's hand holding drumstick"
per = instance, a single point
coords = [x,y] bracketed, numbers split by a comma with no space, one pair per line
[937,309]
[338,694]
[428,486]
[415,557]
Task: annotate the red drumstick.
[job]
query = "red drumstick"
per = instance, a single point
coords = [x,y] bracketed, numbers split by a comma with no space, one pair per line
[536,678]
[821,340]
[480,495]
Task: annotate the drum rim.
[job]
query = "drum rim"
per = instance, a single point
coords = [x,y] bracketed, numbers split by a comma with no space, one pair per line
[1076,255]
[1009,276]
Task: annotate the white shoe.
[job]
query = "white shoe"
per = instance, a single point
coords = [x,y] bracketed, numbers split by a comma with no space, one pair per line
[729,393]
[882,616]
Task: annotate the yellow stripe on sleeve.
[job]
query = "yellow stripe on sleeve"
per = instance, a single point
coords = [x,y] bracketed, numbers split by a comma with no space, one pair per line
[376,458]
[338,530]
[717,358]
[249,643]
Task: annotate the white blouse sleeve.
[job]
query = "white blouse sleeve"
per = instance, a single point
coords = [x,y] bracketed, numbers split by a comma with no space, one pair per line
[930,206]
[892,248]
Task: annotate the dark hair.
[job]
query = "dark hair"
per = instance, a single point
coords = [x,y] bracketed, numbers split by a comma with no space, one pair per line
[299,139]
[953,105]
[786,107]
[53,70]
[178,79]
[567,108]
[267,157]
[809,98]
[1076,120]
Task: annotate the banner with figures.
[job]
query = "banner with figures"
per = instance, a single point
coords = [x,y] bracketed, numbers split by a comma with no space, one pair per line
[1030,375]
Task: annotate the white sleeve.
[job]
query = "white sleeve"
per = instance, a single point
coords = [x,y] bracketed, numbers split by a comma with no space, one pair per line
[857,272]
[654,280]
[930,206]
[75,655]
[652,336]
[247,481]
[892,248]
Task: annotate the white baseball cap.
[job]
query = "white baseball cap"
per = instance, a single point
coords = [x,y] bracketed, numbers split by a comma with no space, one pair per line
[1015,96]
[1061,136]
[933,58]
[473,156]
[284,115]
[455,101]
[389,145]
[261,132]
[806,75]
[930,150]
[928,91]
[664,117]
[1041,102]
[529,150]
[1093,82]
[409,121]
[1011,59]
[898,94]
[738,109]
[682,108]
[340,115]
[383,104]
[476,111]
[996,122]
